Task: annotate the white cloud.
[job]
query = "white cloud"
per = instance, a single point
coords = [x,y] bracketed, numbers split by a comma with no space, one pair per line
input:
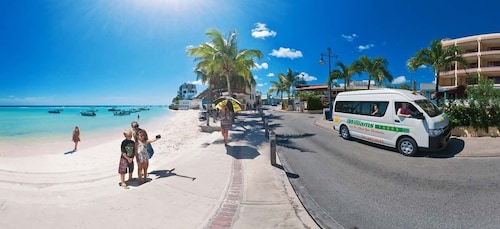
[197,82]
[350,37]
[261,84]
[365,47]
[423,66]
[256,77]
[270,74]
[261,66]
[399,80]
[286,53]
[306,77]
[261,31]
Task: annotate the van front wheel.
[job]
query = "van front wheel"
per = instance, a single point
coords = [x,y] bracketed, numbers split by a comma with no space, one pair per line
[344,132]
[407,146]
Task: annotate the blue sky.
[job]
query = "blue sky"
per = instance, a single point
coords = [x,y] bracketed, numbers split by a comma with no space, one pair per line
[96,52]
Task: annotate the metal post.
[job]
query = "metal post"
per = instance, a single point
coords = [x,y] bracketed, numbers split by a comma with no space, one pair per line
[272,143]
[330,104]
[266,127]
[329,55]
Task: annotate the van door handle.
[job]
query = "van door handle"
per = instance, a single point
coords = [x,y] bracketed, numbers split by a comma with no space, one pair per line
[396,120]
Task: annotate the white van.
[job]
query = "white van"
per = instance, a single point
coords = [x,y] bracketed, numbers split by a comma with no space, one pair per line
[426,128]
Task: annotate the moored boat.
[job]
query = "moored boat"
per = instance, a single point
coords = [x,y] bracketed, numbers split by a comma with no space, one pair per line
[87,113]
[121,113]
[56,111]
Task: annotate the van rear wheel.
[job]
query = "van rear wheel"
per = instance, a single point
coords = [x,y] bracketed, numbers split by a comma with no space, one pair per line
[344,132]
[407,146]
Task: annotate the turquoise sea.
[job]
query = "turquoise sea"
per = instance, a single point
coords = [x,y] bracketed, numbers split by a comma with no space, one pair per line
[28,122]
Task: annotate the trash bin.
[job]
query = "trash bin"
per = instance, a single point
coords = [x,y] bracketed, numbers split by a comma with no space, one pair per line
[328,114]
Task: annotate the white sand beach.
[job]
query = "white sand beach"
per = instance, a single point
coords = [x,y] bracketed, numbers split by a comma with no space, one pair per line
[82,188]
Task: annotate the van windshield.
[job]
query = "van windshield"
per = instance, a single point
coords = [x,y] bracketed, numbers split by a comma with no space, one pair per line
[429,108]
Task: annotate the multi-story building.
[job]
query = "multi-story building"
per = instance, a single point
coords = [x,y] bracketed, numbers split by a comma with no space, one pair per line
[187,91]
[482,52]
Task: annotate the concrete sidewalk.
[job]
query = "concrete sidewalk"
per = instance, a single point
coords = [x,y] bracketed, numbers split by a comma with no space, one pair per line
[258,195]
[458,146]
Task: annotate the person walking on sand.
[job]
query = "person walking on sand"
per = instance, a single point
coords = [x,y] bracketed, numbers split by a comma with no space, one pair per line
[76,137]
[226,122]
[127,158]
[142,154]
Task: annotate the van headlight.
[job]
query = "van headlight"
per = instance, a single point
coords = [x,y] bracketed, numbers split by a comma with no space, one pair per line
[435,132]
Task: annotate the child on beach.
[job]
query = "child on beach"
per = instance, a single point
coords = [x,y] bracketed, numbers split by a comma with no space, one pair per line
[142,154]
[127,158]
[76,137]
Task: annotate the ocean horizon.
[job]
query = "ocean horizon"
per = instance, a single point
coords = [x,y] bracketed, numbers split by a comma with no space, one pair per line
[27,122]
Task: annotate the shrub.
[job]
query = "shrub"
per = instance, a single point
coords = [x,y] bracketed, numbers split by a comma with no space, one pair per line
[313,103]
[482,111]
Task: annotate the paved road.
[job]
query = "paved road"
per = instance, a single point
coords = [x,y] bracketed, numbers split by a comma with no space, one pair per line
[352,184]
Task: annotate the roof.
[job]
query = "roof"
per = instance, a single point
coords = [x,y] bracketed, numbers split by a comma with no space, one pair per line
[406,93]
[312,87]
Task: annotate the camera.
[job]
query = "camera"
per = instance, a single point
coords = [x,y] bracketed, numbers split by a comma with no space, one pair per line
[158,136]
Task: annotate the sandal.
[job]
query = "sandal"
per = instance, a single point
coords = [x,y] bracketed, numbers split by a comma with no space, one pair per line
[124,186]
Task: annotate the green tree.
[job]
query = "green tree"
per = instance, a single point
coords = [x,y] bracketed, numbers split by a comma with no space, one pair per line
[344,72]
[221,56]
[376,69]
[438,58]
[279,86]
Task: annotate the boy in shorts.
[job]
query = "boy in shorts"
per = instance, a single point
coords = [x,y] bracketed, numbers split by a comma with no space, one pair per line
[126,158]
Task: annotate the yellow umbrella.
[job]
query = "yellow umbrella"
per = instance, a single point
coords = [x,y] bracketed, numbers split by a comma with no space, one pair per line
[232,104]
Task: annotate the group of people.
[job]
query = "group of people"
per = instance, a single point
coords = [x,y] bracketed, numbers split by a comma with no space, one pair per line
[137,148]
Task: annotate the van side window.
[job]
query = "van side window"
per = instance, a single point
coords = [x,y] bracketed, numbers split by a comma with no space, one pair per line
[398,105]
[382,108]
[368,108]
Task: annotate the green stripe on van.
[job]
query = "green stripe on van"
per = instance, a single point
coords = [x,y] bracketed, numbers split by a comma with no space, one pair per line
[392,128]
[377,126]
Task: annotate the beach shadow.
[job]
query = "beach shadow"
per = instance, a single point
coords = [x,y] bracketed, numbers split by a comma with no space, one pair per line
[242,152]
[168,173]
[135,182]
[69,152]
[288,174]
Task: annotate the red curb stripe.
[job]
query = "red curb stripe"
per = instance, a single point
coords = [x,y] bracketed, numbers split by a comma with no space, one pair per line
[227,211]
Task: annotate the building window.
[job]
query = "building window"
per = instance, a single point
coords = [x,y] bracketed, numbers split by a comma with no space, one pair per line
[493,48]
[473,65]
[496,79]
[493,64]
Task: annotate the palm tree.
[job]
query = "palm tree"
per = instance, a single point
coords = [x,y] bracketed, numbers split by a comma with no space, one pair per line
[221,56]
[376,68]
[345,73]
[438,58]
[279,86]
[212,80]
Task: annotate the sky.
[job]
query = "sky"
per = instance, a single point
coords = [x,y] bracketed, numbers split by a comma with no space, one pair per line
[134,52]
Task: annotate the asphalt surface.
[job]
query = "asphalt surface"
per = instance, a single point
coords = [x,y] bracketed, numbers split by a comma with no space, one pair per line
[345,184]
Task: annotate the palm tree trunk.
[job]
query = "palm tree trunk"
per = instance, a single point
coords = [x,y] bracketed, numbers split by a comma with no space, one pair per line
[369,82]
[229,92]
[209,103]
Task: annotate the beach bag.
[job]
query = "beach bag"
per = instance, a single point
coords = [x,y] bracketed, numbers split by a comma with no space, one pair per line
[151,151]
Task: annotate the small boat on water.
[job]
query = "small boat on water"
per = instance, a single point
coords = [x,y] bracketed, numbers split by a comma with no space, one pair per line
[113,109]
[55,111]
[121,113]
[87,113]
